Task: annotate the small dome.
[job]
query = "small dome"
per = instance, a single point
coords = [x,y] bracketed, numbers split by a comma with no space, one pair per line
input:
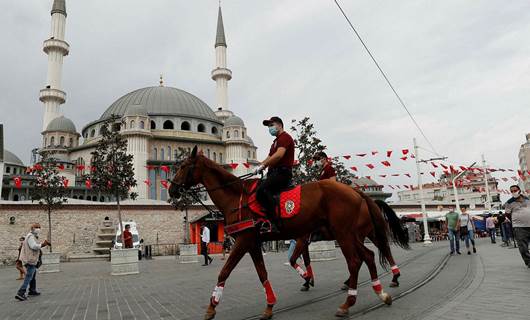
[11,158]
[234,121]
[250,140]
[362,181]
[136,110]
[61,124]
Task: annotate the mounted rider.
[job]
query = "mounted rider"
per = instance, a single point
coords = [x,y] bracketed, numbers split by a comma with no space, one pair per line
[279,163]
[327,171]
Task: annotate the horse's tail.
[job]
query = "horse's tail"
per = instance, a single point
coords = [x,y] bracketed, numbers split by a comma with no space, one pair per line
[381,232]
[399,234]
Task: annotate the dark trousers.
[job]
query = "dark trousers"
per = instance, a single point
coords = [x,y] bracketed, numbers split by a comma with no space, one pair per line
[277,179]
[522,236]
[29,280]
[204,252]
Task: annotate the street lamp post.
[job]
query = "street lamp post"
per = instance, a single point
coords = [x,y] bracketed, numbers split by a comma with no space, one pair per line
[488,198]
[426,237]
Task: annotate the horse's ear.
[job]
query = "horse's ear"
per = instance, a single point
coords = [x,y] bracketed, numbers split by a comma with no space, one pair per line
[194,152]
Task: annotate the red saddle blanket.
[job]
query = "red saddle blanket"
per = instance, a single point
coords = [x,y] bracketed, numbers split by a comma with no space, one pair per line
[289,202]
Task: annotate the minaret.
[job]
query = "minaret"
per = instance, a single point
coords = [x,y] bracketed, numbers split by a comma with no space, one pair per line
[56,48]
[221,74]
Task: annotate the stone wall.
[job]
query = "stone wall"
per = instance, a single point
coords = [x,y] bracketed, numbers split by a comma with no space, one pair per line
[74,226]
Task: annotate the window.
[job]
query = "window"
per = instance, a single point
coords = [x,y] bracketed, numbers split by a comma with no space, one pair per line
[220,157]
[201,128]
[243,134]
[132,125]
[142,125]
[208,153]
[228,134]
[154,154]
[52,142]
[176,155]
[116,127]
[236,134]
[168,124]
[248,154]
[254,154]
[214,130]
[162,154]
[168,152]
[101,130]
[102,199]
[215,157]
[45,142]
[71,142]
[153,125]
[61,141]
[8,169]
[93,133]
[185,126]
[152,187]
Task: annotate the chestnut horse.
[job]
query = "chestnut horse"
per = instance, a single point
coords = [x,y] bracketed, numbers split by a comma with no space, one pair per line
[379,214]
[324,203]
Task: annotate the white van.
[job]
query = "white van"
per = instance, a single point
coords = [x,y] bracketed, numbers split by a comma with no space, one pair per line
[134,232]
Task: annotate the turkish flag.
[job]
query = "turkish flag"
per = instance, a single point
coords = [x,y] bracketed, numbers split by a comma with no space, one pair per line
[433,174]
[80,167]
[407,174]
[389,153]
[165,169]
[386,163]
[368,177]
[382,175]
[164,184]
[391,187]
[88,183]
[92,168]
[412,156]
[18,182]
[65,183]
[361,154]
[347,156]
[37,167]
[405,151]
[371,166]
[109,184]
[147,182]
[374,153]
[233,166]
[395,175]
[310,162]
[444,166]
[398,187]
[510,170]
[406,186]
[60,166]
[353,168]
[434,165]
[246,164]
[403,158]
[463,168]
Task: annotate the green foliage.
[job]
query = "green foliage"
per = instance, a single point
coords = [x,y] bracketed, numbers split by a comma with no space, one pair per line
[307,146]
[112,168]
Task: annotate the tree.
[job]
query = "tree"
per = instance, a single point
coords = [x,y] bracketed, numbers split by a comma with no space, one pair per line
[112,168]
[308,145]
[50,188]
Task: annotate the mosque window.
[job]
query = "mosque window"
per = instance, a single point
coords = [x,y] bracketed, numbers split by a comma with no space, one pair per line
[15,197]
[153,125]
[228,134]
[102,199]
[74,197]
[154,154]
[61,141]
[236,134]
[208,153]
[132,125]
[215,157]
[168,152]
[45,142]
[243,134]
[116,127]
[81,198]
[248,154]
[201,128]
[52,141]
[214,130]
[93,133]
[162,154]
[254,154]
[8,169]
[142,125]
[220,157]
[185,126]
[71,142]
[100,131]
[168,124]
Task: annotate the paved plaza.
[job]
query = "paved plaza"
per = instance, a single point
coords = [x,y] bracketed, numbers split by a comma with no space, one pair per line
[490,285]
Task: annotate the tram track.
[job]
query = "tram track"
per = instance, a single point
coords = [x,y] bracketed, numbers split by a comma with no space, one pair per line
[420,283]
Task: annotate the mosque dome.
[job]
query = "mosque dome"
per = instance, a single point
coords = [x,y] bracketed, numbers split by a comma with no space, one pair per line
[136,110]
[61,124]
[161,100]
[11,158]
[234,121]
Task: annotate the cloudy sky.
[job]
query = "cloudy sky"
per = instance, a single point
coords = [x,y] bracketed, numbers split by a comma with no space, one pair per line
[462,67]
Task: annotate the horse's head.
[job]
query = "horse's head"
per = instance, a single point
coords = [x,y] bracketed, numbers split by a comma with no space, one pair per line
[187,176]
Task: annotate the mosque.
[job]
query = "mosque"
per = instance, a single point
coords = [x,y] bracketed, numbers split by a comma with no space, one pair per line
[156,121]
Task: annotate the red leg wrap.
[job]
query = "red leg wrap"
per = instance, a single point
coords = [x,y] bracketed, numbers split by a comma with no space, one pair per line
[269,293]
[309,272]
[395,269]
[376,285]
[299,270]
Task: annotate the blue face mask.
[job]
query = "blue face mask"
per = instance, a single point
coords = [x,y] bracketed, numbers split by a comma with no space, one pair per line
[273,131]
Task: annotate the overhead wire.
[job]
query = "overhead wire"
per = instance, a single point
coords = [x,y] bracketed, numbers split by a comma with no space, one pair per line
[386,79]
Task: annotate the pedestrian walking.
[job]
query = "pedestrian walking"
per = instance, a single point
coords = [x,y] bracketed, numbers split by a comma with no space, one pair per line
[127,237]
[490,225]
[467,230]
[507,229]
[292,245]
[30,257]
[452,219]
[227,244]
[18,263]
[519,208]
[205,240]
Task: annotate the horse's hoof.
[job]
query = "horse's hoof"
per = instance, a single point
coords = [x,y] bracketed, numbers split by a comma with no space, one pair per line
[341,313]
[394,284]
[387,299]
[210,313]
[312,282]
[267,314]
[304,288]
[344,287]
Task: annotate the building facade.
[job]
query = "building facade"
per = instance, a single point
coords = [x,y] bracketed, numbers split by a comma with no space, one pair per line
[524,163]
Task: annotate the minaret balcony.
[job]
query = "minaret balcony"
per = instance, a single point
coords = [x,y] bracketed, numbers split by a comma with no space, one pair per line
[48,94]
[56,45]
[221,73]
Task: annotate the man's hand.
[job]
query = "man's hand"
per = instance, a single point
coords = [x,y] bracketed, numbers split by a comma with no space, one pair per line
[45,243]
[259,170]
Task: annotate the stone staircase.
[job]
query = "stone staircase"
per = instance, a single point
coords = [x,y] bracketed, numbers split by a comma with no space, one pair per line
[102,245]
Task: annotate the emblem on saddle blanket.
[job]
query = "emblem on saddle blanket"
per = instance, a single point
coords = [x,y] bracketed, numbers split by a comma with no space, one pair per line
[289,203]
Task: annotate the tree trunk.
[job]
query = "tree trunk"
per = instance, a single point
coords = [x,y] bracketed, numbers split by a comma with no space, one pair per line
[120,220]
[187,228]
[50,228]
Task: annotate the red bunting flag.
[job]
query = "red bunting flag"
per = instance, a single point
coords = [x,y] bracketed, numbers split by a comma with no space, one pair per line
[412,156]
[361,154]
[296,162]
[514,178]
[504,179]
[309,162]
[434,165]
[233,166]
[347,157]
[406,186]
[520,173]
[246,164]
[150,167]
[368,177]
[353,168]
[433,174]
[391,187]
[386,163]
[60,166]
[407,174]
[92,168]
[165,169]
[398,186]
[164,184]
[147,182]
[463,168]
[18,182]
[109,184]
[403,158]
[444,166]
[405,151]
[511,170]
[37,167]
[382,175]
[389,153]
[88,183]
[80,167]
[65,183]
[371,166]
[395,175]
[411,187]
[374,153]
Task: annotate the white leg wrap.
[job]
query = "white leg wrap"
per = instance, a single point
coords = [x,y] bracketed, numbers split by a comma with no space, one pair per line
[352,292]
[217,293]
[300,271]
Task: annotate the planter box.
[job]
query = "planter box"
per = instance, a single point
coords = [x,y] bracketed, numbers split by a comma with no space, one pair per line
[188,253]
[124,261]
[322,251]
[50,262]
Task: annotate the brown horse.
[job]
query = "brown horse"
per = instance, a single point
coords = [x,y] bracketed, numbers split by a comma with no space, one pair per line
[324,203]
[367,223]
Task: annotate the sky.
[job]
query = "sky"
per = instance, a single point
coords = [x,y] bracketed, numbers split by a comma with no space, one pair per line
[462,68]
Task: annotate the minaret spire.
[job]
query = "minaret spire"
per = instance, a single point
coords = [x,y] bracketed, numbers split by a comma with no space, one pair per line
[56,48]
[221,74]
